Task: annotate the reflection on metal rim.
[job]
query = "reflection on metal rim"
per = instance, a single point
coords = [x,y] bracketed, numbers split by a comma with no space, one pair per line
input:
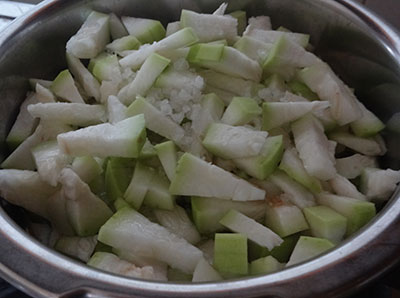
[361,258]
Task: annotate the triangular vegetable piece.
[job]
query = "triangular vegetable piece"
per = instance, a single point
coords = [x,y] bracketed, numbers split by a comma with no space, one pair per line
[314,148]
[240,223]
[276,114]
[323,81]
[49,161]
[91,38]
[84,77]
[64,86]
[308,248]
[196,177]
[128,229]
[24,125]
[26,189]
[145,30]
[123,139]
[209,27]
[358,213]
[86,212]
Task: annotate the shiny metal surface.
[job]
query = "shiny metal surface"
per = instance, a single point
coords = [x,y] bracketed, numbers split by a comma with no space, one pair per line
[360,47]
[10,10]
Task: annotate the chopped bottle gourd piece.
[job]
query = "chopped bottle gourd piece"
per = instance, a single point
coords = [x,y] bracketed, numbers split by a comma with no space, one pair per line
[307,248]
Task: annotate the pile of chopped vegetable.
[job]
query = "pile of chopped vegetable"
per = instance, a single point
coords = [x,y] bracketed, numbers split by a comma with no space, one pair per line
[213,149]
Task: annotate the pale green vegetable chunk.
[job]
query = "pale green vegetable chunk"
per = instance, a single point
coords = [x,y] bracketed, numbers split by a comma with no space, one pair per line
[64,86]
[230,255]
[292,165]
[326,223]
[111,263]
[172,45]
[24,125]
[160,269]
[240,16]
[120,203]
[343,187]
[87,168]
[276,114]
[308,248]
[153,66]
[44,94]
[80,248]
[368,146]
[173,27]
[352,166]
[196,177]
[253,230]
[264,266]
[117,29]
[179,223]
[284,218]
[301,89]
[156,121]
[78,114]
[158,195]
[168,156]
[368,125]
[253,48]
[105,68]
[26,189]
[207,212]
[84,77]
[91,38]
[298,194]
[264,164]
[231,142]
[238,86]
[209,27]
[58,215]
[49,161]
[205,272]
[86,212]
[314,148]
[378,184]
[124,43]
[212,108]
[285,56]
[139,185]
[45,83]
[226,60]
[118,174]
[270,36]
[123,139]
[128,229]
[358,213]
[21,158]
[240,111]
[116,110]
[145,30]
[322,80]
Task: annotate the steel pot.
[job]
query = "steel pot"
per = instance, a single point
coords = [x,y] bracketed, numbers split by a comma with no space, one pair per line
[360,47]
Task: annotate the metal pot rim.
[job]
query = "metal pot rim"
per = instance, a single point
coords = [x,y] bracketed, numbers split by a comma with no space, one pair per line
[375,235]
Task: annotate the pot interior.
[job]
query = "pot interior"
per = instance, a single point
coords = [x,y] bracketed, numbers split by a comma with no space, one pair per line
[34,47]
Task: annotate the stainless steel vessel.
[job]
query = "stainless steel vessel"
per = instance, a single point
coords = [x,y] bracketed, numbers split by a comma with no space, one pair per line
[359,46]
